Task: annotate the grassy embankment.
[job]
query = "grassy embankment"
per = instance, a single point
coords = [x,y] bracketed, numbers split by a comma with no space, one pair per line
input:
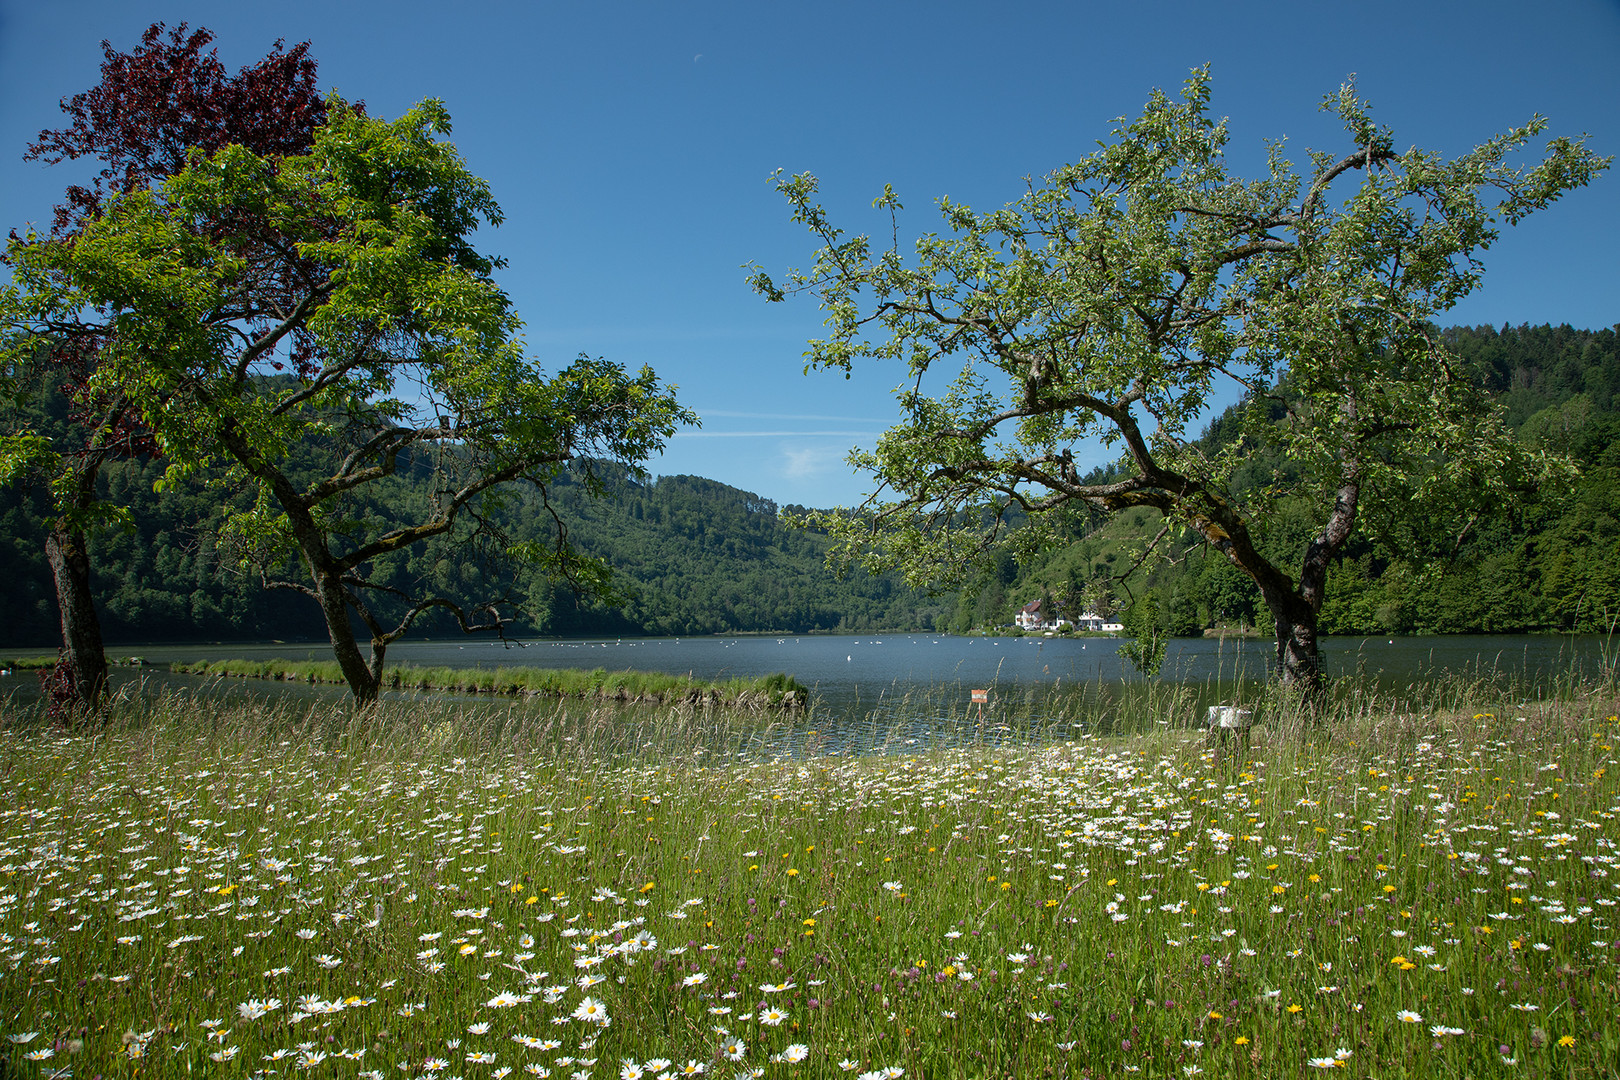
[28,663]
[646,686]
[1413,888]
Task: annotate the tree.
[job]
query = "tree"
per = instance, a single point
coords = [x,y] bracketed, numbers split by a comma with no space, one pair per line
[351,269]
[1113,298]
[153,107]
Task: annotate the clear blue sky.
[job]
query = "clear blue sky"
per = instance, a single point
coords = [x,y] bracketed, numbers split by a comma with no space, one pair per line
[630,145]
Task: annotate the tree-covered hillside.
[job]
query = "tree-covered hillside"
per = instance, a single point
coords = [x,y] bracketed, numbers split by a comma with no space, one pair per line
[692,556]
[702,557]
[696,556]
[1549,564]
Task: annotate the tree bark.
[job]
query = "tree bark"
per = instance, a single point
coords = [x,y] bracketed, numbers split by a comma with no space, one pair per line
[1299,662]
[69,559]
[364,679]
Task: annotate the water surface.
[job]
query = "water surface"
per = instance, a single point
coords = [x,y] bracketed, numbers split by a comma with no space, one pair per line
[851,675]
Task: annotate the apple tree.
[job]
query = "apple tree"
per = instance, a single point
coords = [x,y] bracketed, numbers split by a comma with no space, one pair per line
[1120,295]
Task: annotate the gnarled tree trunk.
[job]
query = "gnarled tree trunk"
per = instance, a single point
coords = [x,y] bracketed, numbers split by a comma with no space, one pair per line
[364,679]
[1299,662]
[82,649]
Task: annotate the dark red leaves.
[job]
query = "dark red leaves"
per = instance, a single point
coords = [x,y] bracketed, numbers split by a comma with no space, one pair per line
[154,105]
[165,97]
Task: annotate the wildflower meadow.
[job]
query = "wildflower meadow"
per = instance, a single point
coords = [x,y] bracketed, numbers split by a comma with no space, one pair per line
[211,889]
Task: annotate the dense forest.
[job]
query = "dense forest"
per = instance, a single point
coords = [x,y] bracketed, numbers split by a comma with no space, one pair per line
[694,556]
[1549,562]
[690,556]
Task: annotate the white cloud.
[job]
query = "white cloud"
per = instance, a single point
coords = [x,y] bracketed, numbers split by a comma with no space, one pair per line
[771,434]
[793,416]
[807,462]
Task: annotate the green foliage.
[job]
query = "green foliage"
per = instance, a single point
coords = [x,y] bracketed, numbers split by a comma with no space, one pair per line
[690,556]
[1146,648]
[1112,299]
[353,265]
[1540,563]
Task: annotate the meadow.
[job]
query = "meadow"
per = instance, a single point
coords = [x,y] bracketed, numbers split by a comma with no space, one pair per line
[577,890]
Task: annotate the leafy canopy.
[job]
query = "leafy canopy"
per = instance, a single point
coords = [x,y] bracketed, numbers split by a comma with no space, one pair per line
[352,268]
[1120,294]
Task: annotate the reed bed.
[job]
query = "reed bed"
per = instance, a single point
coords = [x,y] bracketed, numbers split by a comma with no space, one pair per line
[767,691]
[1387,887]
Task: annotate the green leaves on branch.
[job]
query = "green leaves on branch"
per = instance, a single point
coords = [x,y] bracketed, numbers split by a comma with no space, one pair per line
[1100,314]
[253,310]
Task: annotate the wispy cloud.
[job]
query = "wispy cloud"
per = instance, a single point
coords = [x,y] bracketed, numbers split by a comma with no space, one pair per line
[732,414]
[571,334]
[772,434]
[805,462]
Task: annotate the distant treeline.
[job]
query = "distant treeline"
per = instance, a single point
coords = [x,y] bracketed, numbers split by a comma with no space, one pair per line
[694,557]
[1550,563]
[698,557]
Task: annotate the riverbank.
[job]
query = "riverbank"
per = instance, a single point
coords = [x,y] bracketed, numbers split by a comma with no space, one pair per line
[776,691]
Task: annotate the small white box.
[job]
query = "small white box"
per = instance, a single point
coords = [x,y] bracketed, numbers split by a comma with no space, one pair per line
[1229,716]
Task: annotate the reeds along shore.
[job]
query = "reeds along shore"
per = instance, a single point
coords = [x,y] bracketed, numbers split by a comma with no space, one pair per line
[1393,887]
[771,691]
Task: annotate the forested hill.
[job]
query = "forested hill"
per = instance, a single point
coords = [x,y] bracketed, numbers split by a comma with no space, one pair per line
[1549,564]
[696,557]
[707,558]
[699,557]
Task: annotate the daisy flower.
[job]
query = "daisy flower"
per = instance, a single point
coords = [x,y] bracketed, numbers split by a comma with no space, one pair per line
[592,1011]
[253,1008]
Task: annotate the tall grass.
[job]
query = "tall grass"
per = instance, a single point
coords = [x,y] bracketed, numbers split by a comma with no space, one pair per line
[1396,887]
[766,691]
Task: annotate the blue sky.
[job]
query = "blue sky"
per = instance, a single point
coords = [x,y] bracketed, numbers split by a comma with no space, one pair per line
[631,143]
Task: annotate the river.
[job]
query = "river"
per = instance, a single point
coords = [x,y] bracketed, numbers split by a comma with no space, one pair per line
[852,674]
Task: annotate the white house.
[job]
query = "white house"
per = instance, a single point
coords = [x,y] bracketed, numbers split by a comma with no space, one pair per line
[1030,617]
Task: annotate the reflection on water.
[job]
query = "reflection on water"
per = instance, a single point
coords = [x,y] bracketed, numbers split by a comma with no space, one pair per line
[901,691]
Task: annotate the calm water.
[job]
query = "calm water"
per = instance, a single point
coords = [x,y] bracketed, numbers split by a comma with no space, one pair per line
[854,675]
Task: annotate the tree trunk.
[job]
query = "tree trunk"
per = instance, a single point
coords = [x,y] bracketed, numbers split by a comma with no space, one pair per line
[1299,663]
[365,680]
[1298,660]
[69,559]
